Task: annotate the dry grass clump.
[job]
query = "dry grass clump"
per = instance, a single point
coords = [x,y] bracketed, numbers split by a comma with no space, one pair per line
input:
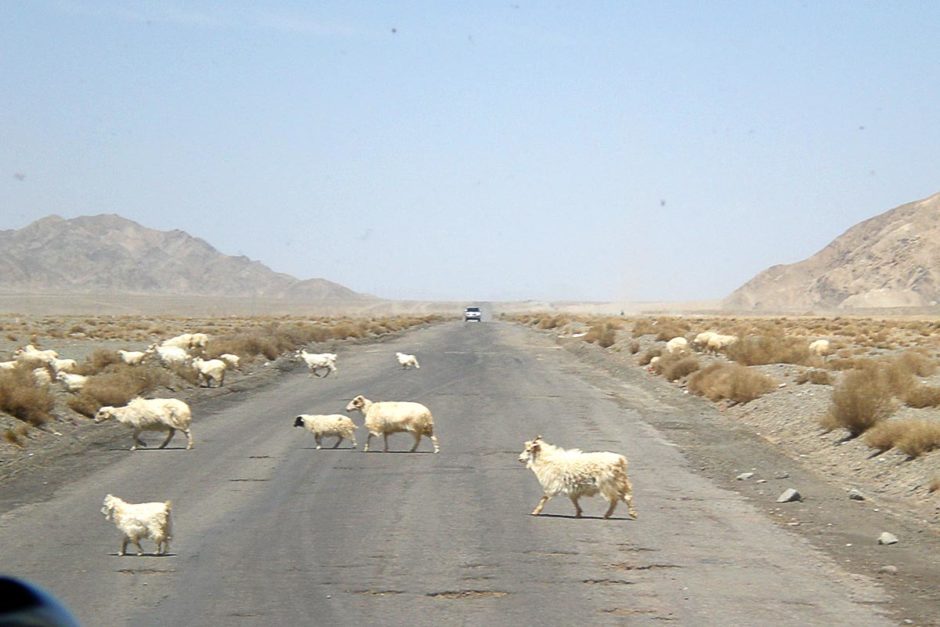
[17,435]
[117,387]
[604,334]
[814,376]
[759,350]
[677,366]
[633,347]
[99,361]
[911,436]
[663,328]
[922,396]
[552,322]
[862,400]
[917,363]
[22,398]
[934,484]
[734,382]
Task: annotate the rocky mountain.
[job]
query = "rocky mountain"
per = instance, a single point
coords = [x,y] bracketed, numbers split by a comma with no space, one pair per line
[891,260]
[108,253]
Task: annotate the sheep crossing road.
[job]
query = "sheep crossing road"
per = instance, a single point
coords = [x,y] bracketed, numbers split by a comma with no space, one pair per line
[270,531]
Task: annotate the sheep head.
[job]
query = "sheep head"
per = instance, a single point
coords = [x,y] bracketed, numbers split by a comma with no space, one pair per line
[531,450]
[104,413]
[107,508]
[299,421]
[357,403]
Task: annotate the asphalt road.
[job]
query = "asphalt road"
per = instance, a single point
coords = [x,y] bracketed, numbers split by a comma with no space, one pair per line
[269,530]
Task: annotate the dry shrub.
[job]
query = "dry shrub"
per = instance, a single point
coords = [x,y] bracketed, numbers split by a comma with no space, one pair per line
[99,361]
[648,355]
[911,436]
[603,334]
[759,350]
[644,326]
[551,322]
[921,396]
[846,363]
[633,347]
[917,363]
[118,387]
[814,376]
[678,366]
[934,484]
[22,398]
[734,382]
[863,399]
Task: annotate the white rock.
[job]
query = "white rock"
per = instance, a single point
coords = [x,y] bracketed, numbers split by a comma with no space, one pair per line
[887,538]
[789,495]
[744,476]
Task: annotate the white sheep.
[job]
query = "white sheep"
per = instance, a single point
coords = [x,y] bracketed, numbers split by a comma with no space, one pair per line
[701,340]
[819,347]
[210,370]
[8,365]
[169,355]
[677,344]
[383,418]
[180,341]
[198,340]
[31,352]
[407,361]
[230,359]
[717,342]
[63,365]
[140,520]
[72,382]
[42,376]
[328,425]
[132,358]
[157,414]
[576,474]
[319,361]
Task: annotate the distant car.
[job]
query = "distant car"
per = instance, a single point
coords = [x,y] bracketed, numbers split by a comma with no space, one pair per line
[472,313]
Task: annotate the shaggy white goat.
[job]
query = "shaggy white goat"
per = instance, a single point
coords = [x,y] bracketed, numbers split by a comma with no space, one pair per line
[676,345]
[157,414]
[169,354]
[72,382]
[63,365]
[383,418]
[819,347]
[140,520]
[180,341]
[718,341]
[701,340]
[31,352]
[209,371]
[132,358]
[198,340]
[230,359]
[407,360]
[42,376]
[328,425]
[576,474]
[319,361]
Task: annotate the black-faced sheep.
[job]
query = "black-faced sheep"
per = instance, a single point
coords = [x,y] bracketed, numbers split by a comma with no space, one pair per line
[328,425]
[576,474]
[157,414]
[386,417]
[140,520]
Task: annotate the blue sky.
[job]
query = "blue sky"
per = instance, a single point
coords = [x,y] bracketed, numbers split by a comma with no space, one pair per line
[482,150]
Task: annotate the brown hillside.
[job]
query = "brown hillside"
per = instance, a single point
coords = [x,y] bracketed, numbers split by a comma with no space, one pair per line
[108,253]
[891,260]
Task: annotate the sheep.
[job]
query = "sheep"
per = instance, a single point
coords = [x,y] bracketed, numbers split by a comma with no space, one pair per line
[324,425]
[319,361]
[576,474]
[140,520]
[8,365]
[676,345]
[180,341]
[42,376]
[132,358]
[210,370]
[230,359]
[157,414]
[383,418]
[717,342]
[63,365]
[169,354]
[407,360]
[72,382]
[701,340]
[819,347]
[31,352]
[198,340]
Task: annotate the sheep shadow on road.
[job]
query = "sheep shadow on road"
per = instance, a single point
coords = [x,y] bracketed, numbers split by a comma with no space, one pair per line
[583,517]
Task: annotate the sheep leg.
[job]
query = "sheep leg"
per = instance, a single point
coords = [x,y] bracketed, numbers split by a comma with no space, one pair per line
[169,437]
[137,440]
[628,499]
[140,549]
[417,437]
[437,449]
[339,439]
[385,436]
[610,510]
[189,439]
[577,508]
[353,438]
[123,550]
[365,449]
[316,437]
[542,502]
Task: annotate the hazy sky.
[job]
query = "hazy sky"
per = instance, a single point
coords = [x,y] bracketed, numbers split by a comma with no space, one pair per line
[476,150]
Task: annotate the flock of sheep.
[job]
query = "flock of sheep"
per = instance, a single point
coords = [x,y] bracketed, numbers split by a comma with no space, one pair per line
[559,471]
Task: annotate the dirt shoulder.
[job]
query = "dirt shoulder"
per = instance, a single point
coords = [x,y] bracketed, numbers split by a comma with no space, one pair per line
[723,446]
